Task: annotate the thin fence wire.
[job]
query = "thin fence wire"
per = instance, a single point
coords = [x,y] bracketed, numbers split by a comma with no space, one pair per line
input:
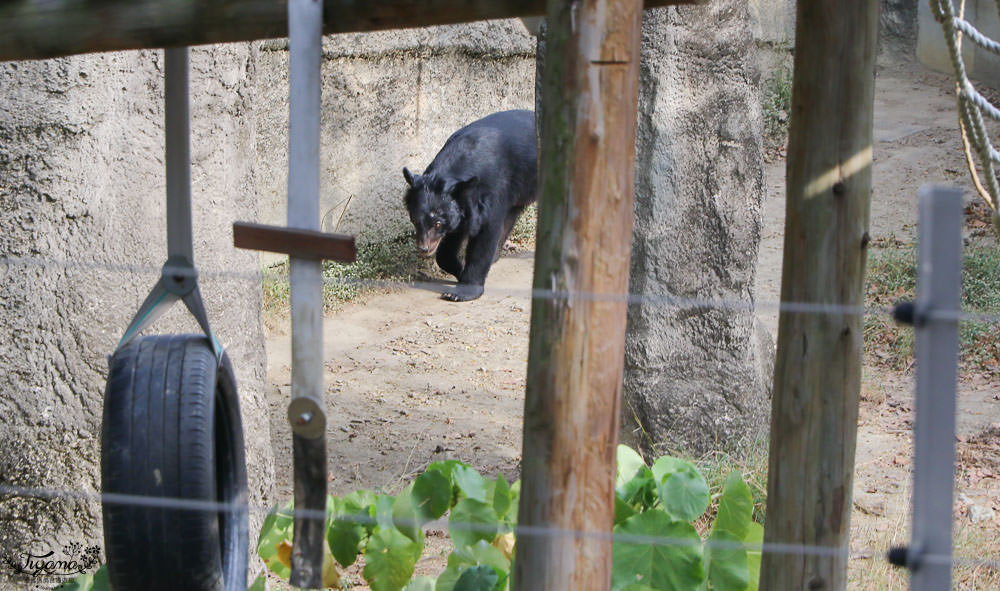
[519,530]
[632,299]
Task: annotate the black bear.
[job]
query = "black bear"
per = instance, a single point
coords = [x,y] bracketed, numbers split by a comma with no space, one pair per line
[473,190]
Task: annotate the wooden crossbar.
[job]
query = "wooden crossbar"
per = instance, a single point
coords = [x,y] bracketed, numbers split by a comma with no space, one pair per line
[305,244]
[37,30]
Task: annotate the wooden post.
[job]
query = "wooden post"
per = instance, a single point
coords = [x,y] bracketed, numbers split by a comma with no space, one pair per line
[30,29]
[577,342]
[817,375]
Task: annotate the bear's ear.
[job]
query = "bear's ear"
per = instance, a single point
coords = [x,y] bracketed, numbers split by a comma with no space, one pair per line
[409,176]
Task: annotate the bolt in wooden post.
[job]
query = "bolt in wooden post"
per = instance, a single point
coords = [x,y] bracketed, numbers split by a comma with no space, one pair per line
[817,375]
[577,342]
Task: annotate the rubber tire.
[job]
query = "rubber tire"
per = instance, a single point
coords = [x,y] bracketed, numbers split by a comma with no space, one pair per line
[172,430]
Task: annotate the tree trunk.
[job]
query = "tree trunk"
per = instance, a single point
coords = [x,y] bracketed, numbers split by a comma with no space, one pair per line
[818,366]
[576,350]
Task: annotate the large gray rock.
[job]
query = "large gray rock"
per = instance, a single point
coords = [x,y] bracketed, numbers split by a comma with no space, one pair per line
[390,99]
[82,237]
[897,29]
[697,375]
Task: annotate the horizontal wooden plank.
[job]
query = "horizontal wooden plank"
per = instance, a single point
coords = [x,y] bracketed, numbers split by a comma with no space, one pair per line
[305,244]
[30,29]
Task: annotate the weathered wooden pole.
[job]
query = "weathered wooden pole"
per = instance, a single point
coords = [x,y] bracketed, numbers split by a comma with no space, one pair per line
[817,375]
[30,29]
[577,342]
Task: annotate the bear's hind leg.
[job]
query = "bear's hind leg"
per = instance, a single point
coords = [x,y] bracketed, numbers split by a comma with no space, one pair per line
[508,225]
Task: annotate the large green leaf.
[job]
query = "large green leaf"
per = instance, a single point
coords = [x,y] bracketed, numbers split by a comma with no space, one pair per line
[464,557]
[640,491]
[276,527]
[445,467]
[667,465]
[356,501]
[471,521]
[422,583]
[406,517]
[674,563]
[622,510]
[629,463]
[345,537]
[753,541]
[726,562]
[501,496]
[477,578]
[735,508]
[482,552]
[383,511]
[432,494]
[684,494]
[471,483]
[96,581]
[260,583]
[515,497]
[389,559]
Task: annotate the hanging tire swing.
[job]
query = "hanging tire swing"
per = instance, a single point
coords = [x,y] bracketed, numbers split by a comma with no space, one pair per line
[172,431]
[173,463]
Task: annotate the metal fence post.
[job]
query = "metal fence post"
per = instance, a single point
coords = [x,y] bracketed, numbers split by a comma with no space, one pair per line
[306,412]
[939,284]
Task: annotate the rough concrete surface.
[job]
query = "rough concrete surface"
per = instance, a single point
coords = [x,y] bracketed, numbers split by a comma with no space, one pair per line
[82,237]
[390,99]
[696,376]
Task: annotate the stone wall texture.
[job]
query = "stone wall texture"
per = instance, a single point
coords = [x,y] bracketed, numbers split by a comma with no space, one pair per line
[82,237]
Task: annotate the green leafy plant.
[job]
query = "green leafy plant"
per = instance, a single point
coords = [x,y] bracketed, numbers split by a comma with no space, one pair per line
[96,581]
[776,105]
[656,545]
[392,259]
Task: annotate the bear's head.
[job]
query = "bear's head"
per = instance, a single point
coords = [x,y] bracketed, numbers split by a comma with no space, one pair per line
[433,205]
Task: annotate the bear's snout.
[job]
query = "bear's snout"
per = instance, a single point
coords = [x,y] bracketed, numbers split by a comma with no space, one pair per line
[427,246]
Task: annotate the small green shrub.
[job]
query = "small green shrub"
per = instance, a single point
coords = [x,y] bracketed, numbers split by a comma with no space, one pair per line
[524,230]
[776,104]
[655,542]
[386,260]
[892,277]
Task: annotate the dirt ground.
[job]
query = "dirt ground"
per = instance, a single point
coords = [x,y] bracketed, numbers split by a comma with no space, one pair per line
[412,378]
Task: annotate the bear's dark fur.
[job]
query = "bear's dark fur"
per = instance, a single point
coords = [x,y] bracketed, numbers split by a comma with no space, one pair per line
[473,190]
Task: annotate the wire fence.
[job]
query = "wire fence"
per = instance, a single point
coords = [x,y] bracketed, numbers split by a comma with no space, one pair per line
[178,504]
[673,303]
[632,299]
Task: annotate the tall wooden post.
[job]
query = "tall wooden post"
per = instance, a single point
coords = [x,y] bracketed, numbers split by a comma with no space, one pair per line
[818,367]
[576,355]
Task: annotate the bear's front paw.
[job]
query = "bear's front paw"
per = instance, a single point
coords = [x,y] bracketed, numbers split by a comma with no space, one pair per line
[463,292]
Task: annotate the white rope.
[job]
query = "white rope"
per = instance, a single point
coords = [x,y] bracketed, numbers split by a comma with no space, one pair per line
[971,103]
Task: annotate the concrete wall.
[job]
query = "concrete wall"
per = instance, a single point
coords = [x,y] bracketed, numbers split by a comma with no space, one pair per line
[82,237]
[980,64]
[390,100]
